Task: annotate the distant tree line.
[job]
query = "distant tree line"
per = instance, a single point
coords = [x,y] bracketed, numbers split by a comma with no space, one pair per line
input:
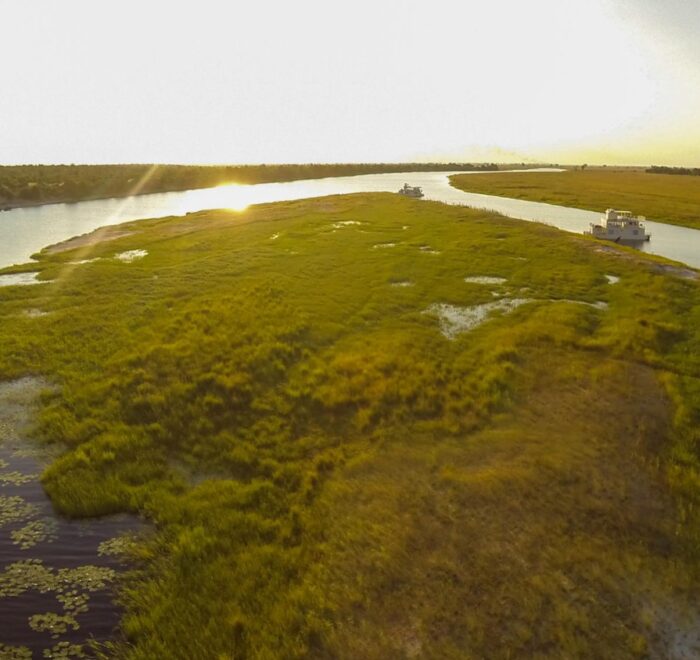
[36,184]
[662,169]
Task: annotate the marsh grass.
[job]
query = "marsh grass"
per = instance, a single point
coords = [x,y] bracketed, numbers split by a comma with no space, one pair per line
[673,199]
[332,477]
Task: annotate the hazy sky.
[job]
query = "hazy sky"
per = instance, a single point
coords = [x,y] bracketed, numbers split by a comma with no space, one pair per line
[606,81]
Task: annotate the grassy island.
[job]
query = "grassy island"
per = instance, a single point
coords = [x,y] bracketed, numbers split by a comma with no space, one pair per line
[669,198]
[373,427]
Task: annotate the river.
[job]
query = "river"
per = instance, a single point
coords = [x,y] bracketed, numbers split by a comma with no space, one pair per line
[24,231]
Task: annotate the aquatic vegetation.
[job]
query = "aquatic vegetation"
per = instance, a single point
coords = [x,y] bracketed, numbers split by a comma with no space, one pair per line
[73,602]
[329,475]
[16,478]
[38,453]
[15,652]
[45,584]
[26,575]
[70,588]
[64,651]
[34,532]
[33,574]
[14,508]
[53,623]
[118,546]
[89,578]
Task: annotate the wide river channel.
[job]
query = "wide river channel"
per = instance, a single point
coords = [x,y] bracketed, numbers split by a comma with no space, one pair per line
[24,231]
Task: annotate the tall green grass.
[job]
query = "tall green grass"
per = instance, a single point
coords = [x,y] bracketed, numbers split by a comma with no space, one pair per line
[329,476]
[674,199]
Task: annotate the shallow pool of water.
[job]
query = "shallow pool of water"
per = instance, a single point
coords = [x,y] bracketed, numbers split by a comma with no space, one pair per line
[57,576]
[17,279]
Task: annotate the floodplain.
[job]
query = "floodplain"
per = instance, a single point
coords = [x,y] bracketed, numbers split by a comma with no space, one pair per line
[667,198]
[333,470]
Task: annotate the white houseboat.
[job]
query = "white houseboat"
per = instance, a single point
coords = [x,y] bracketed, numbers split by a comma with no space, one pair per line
[620,226]
[411,191]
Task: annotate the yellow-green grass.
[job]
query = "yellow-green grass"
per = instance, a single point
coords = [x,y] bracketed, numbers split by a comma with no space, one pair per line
[330,477]
[674,199]
[30,185]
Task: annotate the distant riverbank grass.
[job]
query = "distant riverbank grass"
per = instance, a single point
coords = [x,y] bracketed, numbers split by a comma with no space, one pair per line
[30,185]
[332,477]
[673,199]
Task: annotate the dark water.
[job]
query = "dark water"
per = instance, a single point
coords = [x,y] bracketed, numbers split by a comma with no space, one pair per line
[49,564]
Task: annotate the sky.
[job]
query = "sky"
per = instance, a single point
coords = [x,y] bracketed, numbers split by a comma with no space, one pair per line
[566,81]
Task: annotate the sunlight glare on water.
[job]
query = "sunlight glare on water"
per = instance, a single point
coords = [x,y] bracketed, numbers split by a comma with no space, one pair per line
[25,231]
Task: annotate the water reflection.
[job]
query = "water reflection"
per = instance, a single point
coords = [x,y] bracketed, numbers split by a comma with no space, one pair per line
[15,279]
[25,231]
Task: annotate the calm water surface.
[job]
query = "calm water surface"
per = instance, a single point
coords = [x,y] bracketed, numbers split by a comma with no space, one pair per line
[25,231]
[48,564]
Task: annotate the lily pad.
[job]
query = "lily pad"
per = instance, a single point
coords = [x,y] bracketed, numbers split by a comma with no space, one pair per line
[56,624]
[16,478]
[63,651]
[34,532]
[15,509]
[15,652]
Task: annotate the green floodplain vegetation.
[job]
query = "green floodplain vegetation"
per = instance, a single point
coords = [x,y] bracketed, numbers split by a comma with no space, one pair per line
[330,476]
[669,198]
[28,185]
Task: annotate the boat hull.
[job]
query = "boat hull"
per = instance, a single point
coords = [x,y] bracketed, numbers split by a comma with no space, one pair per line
[628,235]
[618,237]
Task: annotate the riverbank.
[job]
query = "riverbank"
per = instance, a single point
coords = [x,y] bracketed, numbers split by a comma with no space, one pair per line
[664,198]
[24,232]
[27,204]
[26,186]
[369,426]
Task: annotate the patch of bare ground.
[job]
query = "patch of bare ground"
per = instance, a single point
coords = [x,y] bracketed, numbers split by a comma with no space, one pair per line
[100,235]
[550,534]
[669,269]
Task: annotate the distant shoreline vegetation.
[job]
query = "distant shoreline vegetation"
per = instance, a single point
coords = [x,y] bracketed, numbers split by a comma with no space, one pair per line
[669,199]
[32,185]
[662,169]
